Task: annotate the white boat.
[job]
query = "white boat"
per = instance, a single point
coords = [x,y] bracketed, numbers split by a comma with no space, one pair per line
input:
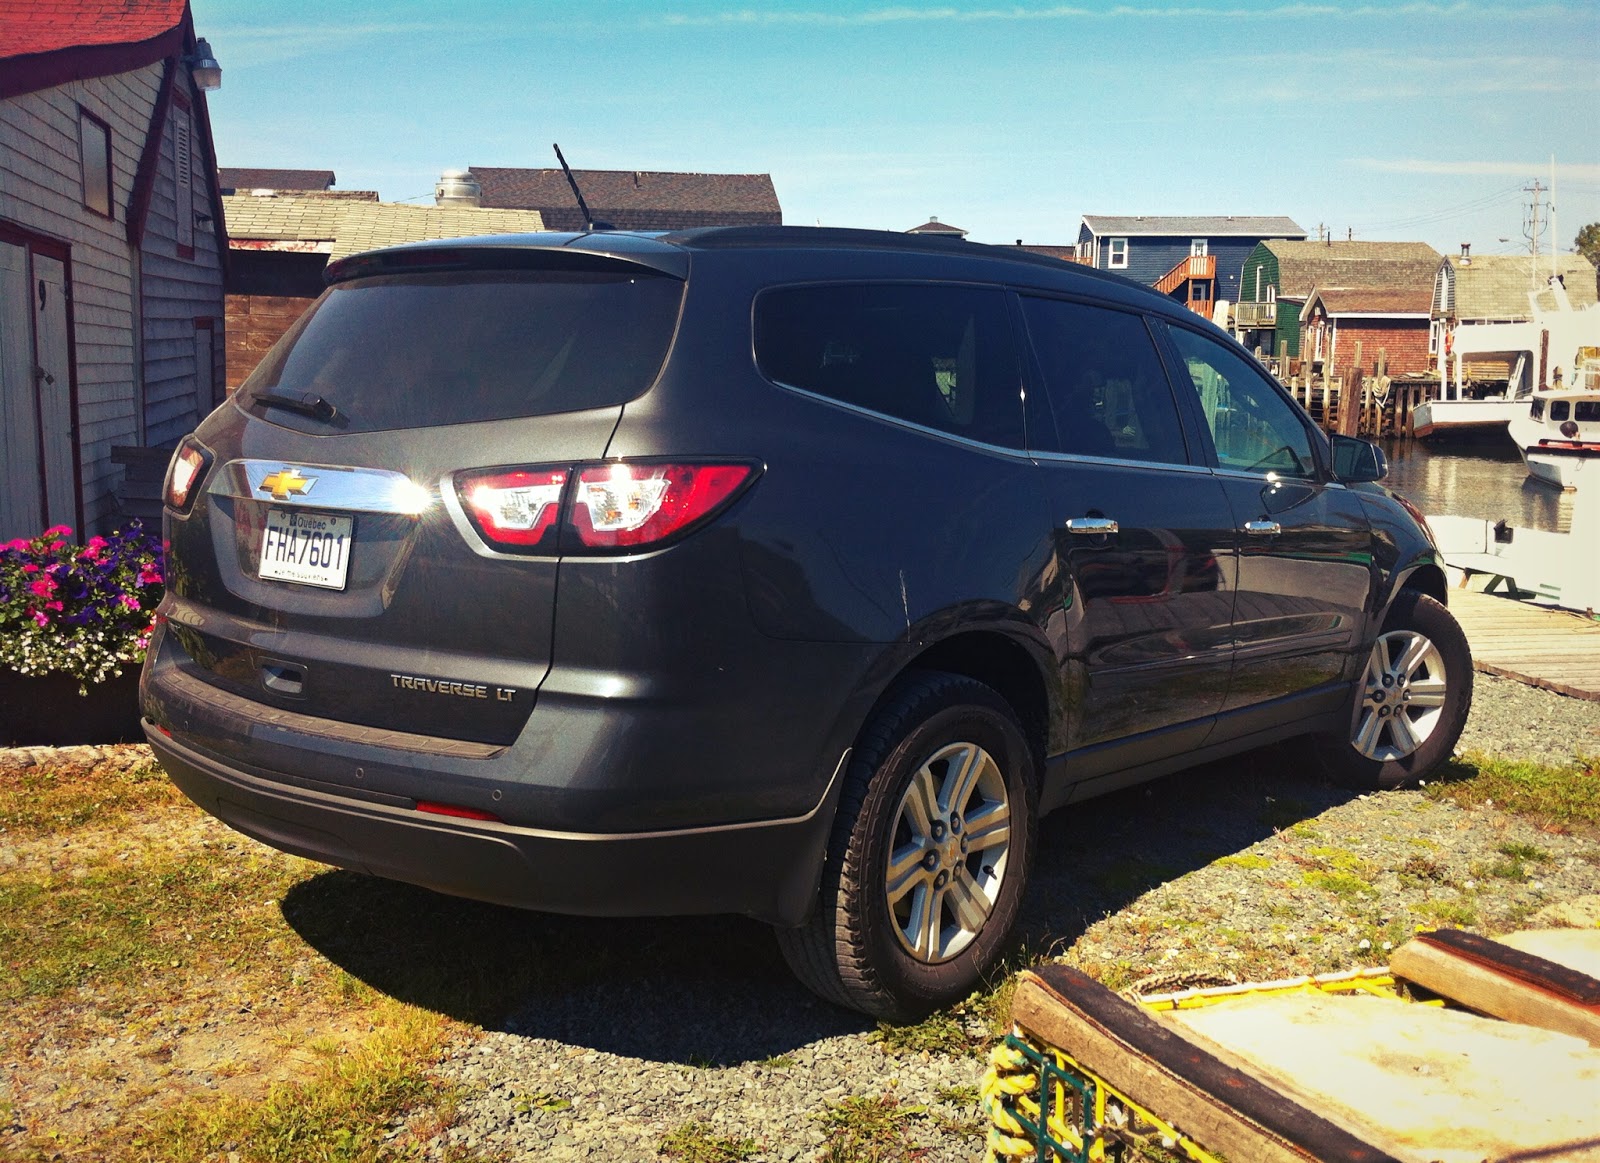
[1562,569]
[1558,433]
[1533,350]
[1465,415]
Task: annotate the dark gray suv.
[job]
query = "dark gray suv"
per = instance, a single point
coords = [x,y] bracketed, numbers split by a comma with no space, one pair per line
[785,572]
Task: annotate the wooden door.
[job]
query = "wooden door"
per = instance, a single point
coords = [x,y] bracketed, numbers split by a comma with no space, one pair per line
[53,376]
[21,478]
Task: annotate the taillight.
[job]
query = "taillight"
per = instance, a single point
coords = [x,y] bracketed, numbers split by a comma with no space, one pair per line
[624,506]
[618,506]
[517,508]
[188,465]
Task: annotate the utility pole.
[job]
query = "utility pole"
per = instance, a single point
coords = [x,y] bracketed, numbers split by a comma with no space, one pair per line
[1533,229]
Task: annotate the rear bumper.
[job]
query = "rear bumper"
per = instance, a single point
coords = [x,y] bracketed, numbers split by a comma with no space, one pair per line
[767,869]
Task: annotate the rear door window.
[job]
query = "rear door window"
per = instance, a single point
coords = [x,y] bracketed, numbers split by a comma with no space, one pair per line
[1255,429]
[939,356]
[421,349]
[1105,381]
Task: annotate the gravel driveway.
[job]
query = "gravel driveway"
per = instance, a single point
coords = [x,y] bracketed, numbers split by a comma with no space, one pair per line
[1247,866]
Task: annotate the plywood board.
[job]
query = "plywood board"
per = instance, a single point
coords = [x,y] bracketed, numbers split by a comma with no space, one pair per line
[1425,1084]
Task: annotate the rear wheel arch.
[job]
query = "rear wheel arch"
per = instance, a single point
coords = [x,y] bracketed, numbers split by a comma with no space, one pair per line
[1004,665]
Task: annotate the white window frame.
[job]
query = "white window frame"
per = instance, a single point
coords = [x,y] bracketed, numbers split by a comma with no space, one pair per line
[1116,248]
[1258,285]
[94,160]
[1197,248]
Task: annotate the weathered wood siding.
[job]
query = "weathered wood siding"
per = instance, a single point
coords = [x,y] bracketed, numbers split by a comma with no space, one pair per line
[178,292]
[255,323]
[41,189]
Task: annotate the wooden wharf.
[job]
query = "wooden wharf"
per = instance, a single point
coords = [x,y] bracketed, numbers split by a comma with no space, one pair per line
[1539,645]
[1351,401]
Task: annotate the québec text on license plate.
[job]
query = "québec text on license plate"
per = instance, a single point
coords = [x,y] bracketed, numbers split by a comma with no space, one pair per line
[311,549]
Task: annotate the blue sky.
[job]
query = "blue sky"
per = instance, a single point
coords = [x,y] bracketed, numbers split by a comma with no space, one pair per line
[1011,120]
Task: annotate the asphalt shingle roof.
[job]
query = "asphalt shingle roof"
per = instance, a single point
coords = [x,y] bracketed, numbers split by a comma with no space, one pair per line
[236,178]
[1102,225]
[635,199]
[1304,266]
[934,226]
[350,227]
[40,26]
[1496,286]
[1374,300]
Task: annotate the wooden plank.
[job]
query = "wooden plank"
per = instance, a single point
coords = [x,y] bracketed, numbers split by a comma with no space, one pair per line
[1553,649]
[1483,977]
[1220,1107]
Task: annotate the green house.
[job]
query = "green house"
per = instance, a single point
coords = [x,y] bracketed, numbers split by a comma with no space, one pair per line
[1279,276]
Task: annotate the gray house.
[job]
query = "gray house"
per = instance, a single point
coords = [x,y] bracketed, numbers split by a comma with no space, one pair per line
[111,251]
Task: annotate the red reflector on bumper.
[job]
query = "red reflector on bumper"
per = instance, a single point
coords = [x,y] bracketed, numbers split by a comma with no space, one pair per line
[457,810]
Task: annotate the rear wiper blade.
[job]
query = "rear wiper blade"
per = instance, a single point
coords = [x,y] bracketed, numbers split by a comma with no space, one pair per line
[310,404]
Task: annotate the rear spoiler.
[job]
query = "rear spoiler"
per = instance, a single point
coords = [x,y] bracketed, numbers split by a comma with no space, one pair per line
[612,252]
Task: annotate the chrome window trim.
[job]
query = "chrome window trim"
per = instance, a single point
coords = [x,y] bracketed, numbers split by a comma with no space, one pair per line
[338,488]
[1120,462]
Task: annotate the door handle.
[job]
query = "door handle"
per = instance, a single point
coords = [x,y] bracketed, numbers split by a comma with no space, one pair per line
[1092,525]
[1263,528]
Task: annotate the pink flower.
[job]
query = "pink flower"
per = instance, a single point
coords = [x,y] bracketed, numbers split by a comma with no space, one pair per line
[61,531]
[129,601]
[44,587]
[54,606]
[149,574]
[30,568]
[40,618]
[18,544]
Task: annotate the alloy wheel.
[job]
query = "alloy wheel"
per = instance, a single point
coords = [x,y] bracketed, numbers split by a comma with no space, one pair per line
[947,858]
[1404,696]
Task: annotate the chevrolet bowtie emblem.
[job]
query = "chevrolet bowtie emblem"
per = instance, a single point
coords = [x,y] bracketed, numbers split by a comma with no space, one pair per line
[285,481]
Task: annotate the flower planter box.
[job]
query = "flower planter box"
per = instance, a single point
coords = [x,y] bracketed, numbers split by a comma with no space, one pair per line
[47,710]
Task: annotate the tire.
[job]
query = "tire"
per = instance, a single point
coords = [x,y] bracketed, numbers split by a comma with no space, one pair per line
[1411,701]
[945,756]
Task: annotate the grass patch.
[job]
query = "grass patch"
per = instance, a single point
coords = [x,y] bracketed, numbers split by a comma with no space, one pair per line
[1246,860]
[120,924]
[1424,868]
[1460,913]
[49,799]
[346,1113]
[696,1142]
[1560,797]
[1341,884]
[870,1130]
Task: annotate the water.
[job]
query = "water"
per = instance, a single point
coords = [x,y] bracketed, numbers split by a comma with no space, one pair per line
[1485,480]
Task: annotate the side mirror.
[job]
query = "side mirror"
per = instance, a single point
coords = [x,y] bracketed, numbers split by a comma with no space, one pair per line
[1358,460]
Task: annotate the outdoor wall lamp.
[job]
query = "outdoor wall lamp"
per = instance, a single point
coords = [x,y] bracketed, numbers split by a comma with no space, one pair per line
[205,70]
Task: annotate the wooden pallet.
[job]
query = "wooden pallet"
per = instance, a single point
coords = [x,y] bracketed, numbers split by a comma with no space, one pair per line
[1544,647]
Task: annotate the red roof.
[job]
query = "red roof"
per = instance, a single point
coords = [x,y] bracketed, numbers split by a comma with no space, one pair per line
[51,42]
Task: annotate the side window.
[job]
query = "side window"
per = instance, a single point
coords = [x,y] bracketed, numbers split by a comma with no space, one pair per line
[1118,253]
[1254,428]
[1105,382]
[939,356]
[94,150]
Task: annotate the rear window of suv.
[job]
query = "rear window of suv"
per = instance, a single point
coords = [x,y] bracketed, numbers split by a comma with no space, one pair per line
[422,349]
[939,356]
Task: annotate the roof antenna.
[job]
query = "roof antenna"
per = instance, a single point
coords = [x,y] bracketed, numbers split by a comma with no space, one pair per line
[588,219]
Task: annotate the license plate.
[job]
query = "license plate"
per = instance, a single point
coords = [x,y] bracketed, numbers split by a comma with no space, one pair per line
[310,549]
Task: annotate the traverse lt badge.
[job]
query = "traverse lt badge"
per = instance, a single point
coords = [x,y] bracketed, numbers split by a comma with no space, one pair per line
[286,481]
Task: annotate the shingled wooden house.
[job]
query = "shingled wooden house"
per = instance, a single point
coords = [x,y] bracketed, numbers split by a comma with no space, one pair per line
[1379,288]
[281,241]
[634,199]
[1195,260]
[111,251]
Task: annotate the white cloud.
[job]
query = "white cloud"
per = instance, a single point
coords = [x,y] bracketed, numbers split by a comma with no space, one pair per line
[751,17]
[1577,171]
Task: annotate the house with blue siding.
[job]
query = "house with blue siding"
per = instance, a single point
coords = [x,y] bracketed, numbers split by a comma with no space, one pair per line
[1196,260]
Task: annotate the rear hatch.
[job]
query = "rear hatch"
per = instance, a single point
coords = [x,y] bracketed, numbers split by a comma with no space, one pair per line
[331,564]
